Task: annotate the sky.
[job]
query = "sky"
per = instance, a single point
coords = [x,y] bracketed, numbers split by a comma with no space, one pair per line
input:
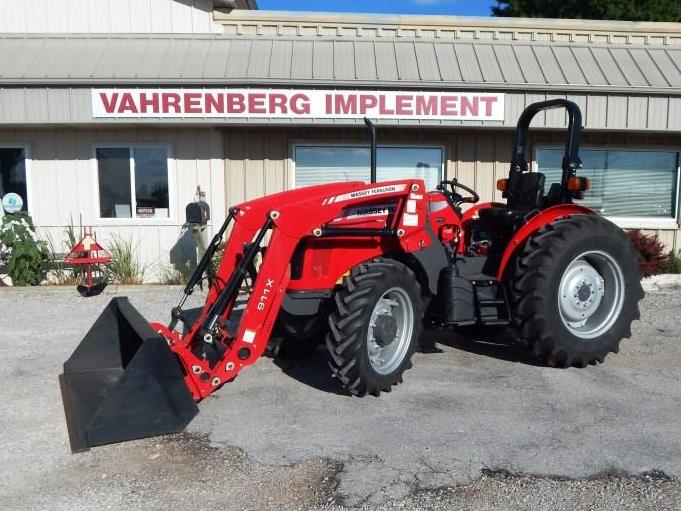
[451,7]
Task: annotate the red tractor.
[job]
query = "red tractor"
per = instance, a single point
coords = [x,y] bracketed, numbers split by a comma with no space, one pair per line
[366,266]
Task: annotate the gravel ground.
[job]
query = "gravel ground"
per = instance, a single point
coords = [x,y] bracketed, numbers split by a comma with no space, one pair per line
[475,427]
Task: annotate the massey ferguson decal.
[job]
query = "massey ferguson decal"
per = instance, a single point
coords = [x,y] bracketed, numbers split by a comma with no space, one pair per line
[291,103]
[370,192]
[377,210]
[369,212]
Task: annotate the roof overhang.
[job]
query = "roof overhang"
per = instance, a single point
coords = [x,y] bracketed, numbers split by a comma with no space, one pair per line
[230,5]
[47,78]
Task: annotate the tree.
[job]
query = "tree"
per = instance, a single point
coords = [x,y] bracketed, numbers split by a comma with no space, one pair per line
[630,10]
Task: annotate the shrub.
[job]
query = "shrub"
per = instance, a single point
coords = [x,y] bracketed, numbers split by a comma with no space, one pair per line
[653,257]
[24,252]
[674,264]
[125,267]
[217,257]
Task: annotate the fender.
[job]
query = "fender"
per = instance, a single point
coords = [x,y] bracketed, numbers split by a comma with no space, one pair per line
[534,224]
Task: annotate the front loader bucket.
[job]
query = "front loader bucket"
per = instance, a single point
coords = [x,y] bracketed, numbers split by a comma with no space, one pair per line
[123,382]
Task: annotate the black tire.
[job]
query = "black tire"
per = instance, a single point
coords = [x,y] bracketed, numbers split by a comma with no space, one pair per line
[348,340]
[539,297]
[301,335]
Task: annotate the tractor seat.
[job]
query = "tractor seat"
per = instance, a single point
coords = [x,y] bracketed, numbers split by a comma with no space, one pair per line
[527,197]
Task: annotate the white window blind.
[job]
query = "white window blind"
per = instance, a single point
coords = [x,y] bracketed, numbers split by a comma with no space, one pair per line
[626,183]
[317,164]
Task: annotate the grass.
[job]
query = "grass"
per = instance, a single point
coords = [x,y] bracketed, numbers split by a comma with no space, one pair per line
[60,273]
[125,267]
[674,264]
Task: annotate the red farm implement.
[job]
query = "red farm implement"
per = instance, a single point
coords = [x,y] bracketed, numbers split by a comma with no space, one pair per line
[89,255]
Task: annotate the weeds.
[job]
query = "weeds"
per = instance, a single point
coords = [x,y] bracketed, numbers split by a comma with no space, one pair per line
[60,273]
[71,236]
[173,275]
[674,262]
[125,267]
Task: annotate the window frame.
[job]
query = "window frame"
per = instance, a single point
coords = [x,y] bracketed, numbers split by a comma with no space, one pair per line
[27,167]
[354,144]
[133,220]
[631,222]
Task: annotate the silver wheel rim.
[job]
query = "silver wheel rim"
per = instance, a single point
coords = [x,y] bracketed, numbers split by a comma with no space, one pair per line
[386,356]
[591,294]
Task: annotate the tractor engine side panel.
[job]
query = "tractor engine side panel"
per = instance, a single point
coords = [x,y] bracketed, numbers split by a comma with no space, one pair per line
[320,263]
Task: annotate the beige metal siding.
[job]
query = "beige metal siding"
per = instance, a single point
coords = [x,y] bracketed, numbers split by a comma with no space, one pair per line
[62,179]
[258,161]
[631,113]
[114,16]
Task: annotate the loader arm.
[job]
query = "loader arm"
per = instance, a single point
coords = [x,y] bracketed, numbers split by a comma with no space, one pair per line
[210,353]
[130,379]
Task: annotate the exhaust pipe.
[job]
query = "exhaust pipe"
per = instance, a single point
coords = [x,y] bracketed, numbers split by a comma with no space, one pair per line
[123,383]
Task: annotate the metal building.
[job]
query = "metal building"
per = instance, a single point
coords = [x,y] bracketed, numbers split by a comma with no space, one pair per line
[117,110]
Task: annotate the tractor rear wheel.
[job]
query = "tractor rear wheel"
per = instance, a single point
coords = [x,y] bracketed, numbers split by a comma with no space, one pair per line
[576,290]
[375,326]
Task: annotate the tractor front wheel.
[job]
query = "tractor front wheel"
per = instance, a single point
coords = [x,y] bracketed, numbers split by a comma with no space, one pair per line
[375,326]
[576,290]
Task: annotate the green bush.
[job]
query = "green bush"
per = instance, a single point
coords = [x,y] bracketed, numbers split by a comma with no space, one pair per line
[217,257]
[26,255]
[674,264]
[125,267]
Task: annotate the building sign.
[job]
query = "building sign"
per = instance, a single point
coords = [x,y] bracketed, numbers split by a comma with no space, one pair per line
[296,104]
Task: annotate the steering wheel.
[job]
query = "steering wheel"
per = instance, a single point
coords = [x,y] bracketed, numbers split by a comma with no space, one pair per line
[456,199]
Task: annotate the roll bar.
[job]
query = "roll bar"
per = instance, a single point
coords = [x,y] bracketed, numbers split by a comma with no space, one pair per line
[571,160]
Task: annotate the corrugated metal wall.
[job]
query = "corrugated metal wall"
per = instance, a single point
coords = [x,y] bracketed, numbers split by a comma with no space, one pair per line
[114,16]
[63,184]
[606,112]
[258,161]
[234,165]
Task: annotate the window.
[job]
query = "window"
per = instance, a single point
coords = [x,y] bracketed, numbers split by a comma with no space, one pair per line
[133,182]
[13,173]
[316,164]
[626,183]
